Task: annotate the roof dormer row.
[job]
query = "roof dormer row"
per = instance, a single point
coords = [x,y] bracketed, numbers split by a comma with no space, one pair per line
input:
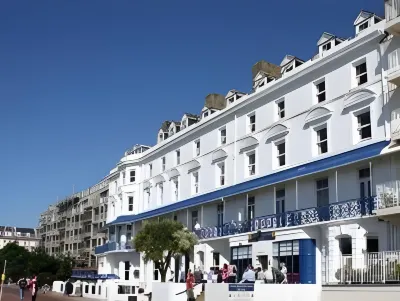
[264,73]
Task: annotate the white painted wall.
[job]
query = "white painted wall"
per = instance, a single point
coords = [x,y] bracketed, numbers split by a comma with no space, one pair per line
[309,292]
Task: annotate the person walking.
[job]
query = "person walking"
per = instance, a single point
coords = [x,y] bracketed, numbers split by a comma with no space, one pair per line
[189,286]
[22,283]
[34,287]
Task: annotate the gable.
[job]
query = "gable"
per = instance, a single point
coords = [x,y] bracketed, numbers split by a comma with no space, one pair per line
[363,15]
[324,38]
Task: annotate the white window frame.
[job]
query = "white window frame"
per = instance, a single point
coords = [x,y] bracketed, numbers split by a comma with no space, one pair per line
[317,91]
[357,128]
[279,111]
[163,163]
[318,142]
[251,126]
[251,168]
[130,204]
[132,177]
[197,148]
[175,188]
[160,193]
[222,138]
[195,182]
[178,156]
[325,46]
[280,201]
[355,76]
[221,173]
[321,189]
[361,24]
[277,155]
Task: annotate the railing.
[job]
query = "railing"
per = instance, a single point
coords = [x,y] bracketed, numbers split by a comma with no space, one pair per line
[332,212]
[392,9]
[388,199]
[368,268]
[113,246]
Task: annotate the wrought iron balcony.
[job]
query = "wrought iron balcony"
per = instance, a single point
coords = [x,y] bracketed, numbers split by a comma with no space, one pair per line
[113,246]
[332,212]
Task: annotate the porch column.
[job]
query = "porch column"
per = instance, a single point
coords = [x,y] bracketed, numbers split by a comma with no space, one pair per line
[370,179]
[297,196]
[274,200]
[223,211]
[202,220]
[187,218]
[336,185]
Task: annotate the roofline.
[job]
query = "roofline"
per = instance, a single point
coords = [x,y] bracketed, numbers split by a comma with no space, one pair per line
[273,86]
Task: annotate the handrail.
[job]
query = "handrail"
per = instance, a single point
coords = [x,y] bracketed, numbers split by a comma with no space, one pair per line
[186,289]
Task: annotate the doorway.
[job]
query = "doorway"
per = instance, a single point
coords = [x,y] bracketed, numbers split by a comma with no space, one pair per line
[241,258]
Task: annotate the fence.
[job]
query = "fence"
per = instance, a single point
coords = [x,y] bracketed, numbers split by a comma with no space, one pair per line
[368,268]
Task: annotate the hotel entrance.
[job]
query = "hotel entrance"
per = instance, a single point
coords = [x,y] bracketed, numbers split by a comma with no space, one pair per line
[241,257]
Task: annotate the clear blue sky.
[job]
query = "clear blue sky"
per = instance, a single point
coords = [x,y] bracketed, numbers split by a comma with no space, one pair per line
[81,81]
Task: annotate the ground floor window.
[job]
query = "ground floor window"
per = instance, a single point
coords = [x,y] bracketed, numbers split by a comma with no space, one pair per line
[126,290]
[287,252]
[241,258]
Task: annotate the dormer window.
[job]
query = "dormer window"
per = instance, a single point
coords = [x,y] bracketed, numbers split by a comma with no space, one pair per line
[165,136]
[231,100]
[363,26]
[326,47]
[205,114]
[262,83]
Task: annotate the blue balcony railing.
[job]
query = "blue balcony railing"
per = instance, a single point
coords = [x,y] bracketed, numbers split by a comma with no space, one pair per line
[112,246]
[332,212]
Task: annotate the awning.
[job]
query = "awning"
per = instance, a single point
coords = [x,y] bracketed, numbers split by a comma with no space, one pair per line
[158,179]
[247,143]
[277,131]
[335,161]
[317,114]
[146,185]
[192,165]
[218,155]
[358,97]
[173,173]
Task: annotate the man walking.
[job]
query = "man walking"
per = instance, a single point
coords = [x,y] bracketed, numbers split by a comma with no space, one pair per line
[22,285]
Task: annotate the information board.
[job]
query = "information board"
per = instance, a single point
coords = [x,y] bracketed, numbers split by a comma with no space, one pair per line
[241,292]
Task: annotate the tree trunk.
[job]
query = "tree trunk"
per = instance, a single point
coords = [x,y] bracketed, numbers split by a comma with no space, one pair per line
[163,274]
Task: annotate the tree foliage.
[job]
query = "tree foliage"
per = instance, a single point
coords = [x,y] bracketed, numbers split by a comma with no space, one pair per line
[21,263]
[160,241]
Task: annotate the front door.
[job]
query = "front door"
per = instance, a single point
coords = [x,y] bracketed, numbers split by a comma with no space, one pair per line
[241,258]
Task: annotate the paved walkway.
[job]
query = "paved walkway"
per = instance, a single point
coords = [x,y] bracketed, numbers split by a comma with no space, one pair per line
[12,294]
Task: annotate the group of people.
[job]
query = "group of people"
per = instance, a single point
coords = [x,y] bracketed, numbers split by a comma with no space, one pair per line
[32,285]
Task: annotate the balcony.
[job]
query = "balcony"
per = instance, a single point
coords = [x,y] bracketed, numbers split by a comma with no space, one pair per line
[333,212]
[392,13]
[393,76]
[388,207]
[113,247]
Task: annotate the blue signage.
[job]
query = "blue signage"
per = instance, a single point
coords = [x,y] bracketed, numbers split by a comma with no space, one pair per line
[241,287]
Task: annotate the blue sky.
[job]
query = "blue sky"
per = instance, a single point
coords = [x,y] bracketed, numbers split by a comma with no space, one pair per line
[81,81]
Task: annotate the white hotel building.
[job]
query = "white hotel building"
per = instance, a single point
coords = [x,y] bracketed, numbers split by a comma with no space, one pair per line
[307,162]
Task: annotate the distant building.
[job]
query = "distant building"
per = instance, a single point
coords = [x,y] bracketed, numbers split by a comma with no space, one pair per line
[24,237]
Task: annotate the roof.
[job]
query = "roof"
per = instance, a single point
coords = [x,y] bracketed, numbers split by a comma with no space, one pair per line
[165,125]
[193,116]
[233,92]
[288,59]
[364,15]
[341,159]
[326,36]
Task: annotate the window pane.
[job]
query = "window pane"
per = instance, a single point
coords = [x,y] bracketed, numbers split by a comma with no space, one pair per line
[281,148]
[322,134]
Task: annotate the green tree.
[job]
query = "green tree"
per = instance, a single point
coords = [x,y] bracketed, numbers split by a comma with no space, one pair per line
[41,262]
[160,241]
[65,270]
[17,261]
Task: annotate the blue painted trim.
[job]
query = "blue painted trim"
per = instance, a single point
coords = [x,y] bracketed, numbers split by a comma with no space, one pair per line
[341,159]
[307,261]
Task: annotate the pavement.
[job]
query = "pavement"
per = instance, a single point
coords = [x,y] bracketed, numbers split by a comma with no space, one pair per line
[12,294]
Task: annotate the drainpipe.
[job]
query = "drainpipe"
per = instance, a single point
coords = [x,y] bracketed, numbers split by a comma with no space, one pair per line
[234,155]
[384,84]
